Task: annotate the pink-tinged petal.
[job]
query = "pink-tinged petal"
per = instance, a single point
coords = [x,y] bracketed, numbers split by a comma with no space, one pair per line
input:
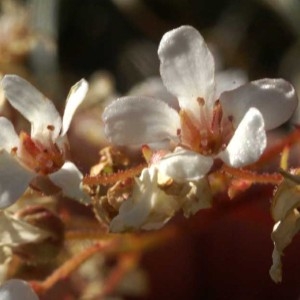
[184,165]
[34,106]
[229,79]
[248,142]
[8,136]
[14,179]
[15,289]
[276,99]
[74,99]
[187,67]
[140,120]
[69,179]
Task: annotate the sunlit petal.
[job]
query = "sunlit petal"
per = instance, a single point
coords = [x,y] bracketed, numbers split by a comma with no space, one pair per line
[69,179]
[248,142]
[184,165]
[187,67]
[34,106]
[276,99]
[140,120]
[75,98]
[8,136]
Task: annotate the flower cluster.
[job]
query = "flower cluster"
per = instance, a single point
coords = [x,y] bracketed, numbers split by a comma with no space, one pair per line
[215,121]
[195,133]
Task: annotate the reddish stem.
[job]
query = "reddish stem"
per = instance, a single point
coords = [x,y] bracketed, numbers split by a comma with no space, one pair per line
[113,178]
[266,178]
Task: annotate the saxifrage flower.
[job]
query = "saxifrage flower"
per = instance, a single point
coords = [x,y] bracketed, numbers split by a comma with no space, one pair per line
[215,120]
[25,157]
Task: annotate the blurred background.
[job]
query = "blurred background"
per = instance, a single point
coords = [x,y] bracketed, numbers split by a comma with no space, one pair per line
[221,254]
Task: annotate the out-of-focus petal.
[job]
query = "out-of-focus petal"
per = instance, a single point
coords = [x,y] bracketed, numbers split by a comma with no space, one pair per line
[282,235]
[287,198]
[184,165]
[15,289]
[154,87]
[248,142]
[187,68]
[14,179]
[229,79]
[8,136]
[69,179]
[74,99]
[17,232]
[34,106]
[140,120]
[276,99]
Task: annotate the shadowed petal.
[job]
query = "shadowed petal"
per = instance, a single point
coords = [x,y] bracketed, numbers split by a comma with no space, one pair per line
[276,99]
[34,106]
[229,79]
[75,98]
[69,178]
[248,142]
[140,120]
[187,67]
[14,179]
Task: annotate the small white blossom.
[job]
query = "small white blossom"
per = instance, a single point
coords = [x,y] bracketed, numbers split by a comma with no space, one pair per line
[216,119]
[16,289]
[156,198]
[43,152]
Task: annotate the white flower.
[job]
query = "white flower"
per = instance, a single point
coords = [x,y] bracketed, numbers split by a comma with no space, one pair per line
[42,153]
[156,198]
[212,123]
[16,289]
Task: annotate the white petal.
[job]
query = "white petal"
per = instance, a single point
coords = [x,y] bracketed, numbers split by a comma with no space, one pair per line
[286,198]
[276,99]
[8,137]
[34,106]
[140,120]
[184,165]
[198,196]
[248,142]
[282,235]
[229,79]
[69,179]
[17,232]
[14,179]
[187,67]
[74,99]
[16,289]
[148,208]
